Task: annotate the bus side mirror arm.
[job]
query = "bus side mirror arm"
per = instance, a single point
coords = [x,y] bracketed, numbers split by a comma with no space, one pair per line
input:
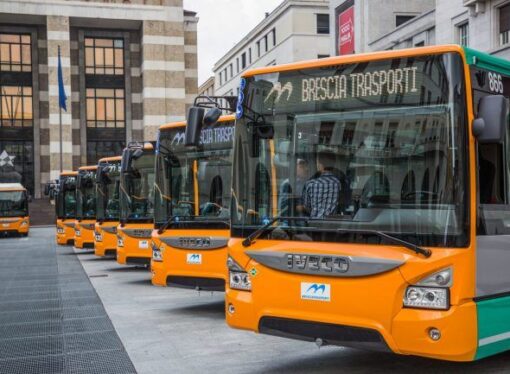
[490,125]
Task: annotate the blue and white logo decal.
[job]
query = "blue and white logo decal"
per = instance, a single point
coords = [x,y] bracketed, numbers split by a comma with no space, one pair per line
[194,258]
[240,99]
[315,291]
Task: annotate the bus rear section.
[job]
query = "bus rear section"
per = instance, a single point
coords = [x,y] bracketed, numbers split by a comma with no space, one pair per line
[354,218]
[85,207]
[107,206]
[65,208]
[136,205]
[192,206]
[14,217]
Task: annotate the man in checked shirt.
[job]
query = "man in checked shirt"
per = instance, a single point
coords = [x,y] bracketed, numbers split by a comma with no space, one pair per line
[321,195]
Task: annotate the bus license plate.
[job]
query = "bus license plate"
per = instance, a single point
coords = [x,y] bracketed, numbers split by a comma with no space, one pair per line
[143,244]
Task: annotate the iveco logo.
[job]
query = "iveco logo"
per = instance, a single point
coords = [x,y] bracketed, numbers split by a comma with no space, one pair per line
[178,138]
[319,264]
[278,90]
[195,242]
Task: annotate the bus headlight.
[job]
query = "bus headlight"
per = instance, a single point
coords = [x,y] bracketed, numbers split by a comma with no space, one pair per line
[77,232]
[99,237]
[120,241]
[238,278]
[432,292]
[157,254]
[24,223]
[60,230]
[427,297]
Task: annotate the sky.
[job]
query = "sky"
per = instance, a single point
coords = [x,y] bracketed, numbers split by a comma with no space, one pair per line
[222,23]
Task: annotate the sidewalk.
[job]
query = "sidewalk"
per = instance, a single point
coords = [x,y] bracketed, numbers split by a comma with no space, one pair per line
[51,319]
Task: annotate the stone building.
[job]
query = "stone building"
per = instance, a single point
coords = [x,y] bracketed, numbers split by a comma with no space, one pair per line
[296,30]
[393,24]
[128,66]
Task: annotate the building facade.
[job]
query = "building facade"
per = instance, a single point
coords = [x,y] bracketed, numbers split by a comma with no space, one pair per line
[207,88]
[480,24]
[127,67]
[295,30]
[357,23]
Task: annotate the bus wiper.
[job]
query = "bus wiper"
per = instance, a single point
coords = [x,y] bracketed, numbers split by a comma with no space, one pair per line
[262,229]
[167,223]
[413,247]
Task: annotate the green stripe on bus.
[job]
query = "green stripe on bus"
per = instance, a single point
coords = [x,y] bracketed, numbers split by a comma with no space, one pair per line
[493,326]
[487,61]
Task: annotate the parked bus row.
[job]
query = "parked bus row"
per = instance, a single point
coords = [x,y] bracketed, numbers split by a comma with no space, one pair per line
[361,201]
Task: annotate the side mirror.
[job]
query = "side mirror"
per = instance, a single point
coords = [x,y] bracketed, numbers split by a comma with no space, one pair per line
[212,116]
[194,126]
[137,154]
[490,125]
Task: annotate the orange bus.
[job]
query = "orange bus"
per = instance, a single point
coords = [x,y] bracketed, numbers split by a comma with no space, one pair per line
[65,206]
[192,206]
[136,204]
[371,203]
[107,206]
[14,216]
[85,207]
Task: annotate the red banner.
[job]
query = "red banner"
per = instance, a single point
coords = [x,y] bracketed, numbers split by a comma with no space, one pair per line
[346,32]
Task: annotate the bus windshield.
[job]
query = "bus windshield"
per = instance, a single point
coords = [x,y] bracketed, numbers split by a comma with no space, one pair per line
[108,181]
[13,204]
[340,152]
[137,187]
[66,198]
[85,195]
[193,183]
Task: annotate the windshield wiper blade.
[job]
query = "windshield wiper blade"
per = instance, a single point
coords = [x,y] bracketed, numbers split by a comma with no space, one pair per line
[167,223]
[262,229]
[413,247]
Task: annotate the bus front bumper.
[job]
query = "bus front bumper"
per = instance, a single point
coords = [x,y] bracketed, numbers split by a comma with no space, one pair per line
[200,269]
[408,334]
[19,225]
[105,242]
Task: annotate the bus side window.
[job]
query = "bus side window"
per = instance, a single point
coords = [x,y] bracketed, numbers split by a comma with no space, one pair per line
[493,182]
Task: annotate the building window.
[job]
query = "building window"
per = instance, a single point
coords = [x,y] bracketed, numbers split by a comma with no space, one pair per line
[16,110]
[322,56]
[243,60]
[258,48]
[16,107]
[464,34]
[221,78]
[237,63]
[15,53]
[322,23]
[231,68]
[266,47]
[504,24]
[105,108]
[98,149]
[225,74]
[104,56]
[420,44]
[401,19]
[249,56]
[274,37]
